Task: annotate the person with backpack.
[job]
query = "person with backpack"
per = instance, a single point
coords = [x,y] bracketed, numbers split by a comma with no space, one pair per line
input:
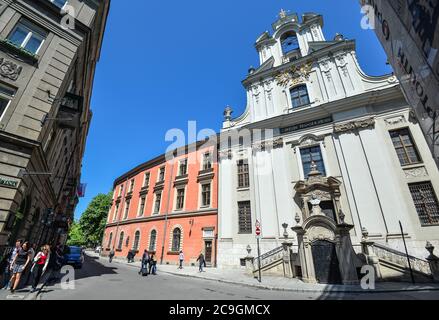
[144,264]
[39,267]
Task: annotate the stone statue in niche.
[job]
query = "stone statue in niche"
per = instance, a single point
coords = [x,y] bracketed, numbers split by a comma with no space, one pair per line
[316,209]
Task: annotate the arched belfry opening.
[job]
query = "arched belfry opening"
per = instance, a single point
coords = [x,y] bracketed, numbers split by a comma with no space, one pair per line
[325,249]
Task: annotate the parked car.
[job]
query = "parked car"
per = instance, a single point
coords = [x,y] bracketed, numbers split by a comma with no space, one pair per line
[74,256]
[98,249]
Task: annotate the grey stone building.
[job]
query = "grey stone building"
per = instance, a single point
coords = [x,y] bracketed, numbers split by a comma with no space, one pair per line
[48,54]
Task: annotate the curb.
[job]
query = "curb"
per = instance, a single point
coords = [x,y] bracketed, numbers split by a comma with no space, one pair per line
[266,287]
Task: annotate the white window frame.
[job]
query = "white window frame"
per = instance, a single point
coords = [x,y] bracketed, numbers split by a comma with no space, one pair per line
[32,30]
[164,174]
[200,204]
[179,166]
[154,212]
[324,157]
[145,180]
[139,213]
[210,153]
[6,97]
[176,197]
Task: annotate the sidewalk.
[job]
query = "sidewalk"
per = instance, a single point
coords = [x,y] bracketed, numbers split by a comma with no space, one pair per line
[239,277]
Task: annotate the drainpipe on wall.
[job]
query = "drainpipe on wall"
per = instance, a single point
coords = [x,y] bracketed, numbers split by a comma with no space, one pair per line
[167,210]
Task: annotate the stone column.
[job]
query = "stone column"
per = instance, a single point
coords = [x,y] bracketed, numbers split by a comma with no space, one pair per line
[288,268]
[433,260]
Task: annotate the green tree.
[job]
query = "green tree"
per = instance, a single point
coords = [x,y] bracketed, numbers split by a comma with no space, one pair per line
[93,221]
[76,237]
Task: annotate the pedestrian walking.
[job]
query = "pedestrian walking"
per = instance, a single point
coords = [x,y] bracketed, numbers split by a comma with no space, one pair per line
[144,264]
[27,273]
[201,262]
[39,267]
[9,258]
[19,264]
[111,255]
[152,264]
[181,257]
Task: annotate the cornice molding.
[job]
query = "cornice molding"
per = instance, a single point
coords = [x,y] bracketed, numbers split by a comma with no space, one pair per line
[160,217]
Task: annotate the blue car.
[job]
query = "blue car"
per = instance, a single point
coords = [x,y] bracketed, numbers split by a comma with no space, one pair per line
[74,256]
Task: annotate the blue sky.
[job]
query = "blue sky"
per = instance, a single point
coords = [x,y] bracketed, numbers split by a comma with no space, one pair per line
[165,63]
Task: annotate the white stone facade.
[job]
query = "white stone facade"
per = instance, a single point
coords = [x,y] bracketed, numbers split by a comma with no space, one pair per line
[349,116]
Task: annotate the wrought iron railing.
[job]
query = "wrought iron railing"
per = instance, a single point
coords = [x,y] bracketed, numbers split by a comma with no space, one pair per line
[400,259]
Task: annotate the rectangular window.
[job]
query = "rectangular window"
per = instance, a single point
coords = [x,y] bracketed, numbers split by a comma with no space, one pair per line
[426,202]
[183,167]
[161,174]
[207,161]
[243,174]
[127,209]
[27,36]
[299,96]
[142,206]
[245,217]
[180,199]
[146,180]
[158,200]
[120,190]
[310,155]
[116,210]
[205,195]
[405,147]
[132,185]
[6,95]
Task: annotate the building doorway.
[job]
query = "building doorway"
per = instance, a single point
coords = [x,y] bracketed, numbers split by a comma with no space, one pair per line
[325,262]
[208,252]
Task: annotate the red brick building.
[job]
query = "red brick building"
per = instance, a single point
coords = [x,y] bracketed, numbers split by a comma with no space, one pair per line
[167,205]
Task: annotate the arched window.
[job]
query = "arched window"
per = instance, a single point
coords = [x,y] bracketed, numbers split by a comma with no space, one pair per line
[152,240]
[289,42]
[120,241]
[136,240]
[110,239]
[299,96]
[176,238]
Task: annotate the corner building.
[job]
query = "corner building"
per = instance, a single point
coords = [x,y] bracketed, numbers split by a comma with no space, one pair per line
[166,205]
[47,69]
[346,151]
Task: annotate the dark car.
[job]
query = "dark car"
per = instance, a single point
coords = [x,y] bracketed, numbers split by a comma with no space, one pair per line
[74,256]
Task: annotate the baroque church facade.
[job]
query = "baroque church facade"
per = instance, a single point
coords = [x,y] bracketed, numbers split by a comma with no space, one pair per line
[335,154]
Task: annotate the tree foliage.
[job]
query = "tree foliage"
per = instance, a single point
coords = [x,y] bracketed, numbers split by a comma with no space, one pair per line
[76,237]
[90,228]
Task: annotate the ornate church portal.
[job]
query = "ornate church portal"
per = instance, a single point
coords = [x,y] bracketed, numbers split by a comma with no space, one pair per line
[326,254]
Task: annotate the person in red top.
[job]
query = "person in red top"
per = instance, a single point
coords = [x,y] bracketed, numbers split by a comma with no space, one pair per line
[40,264]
